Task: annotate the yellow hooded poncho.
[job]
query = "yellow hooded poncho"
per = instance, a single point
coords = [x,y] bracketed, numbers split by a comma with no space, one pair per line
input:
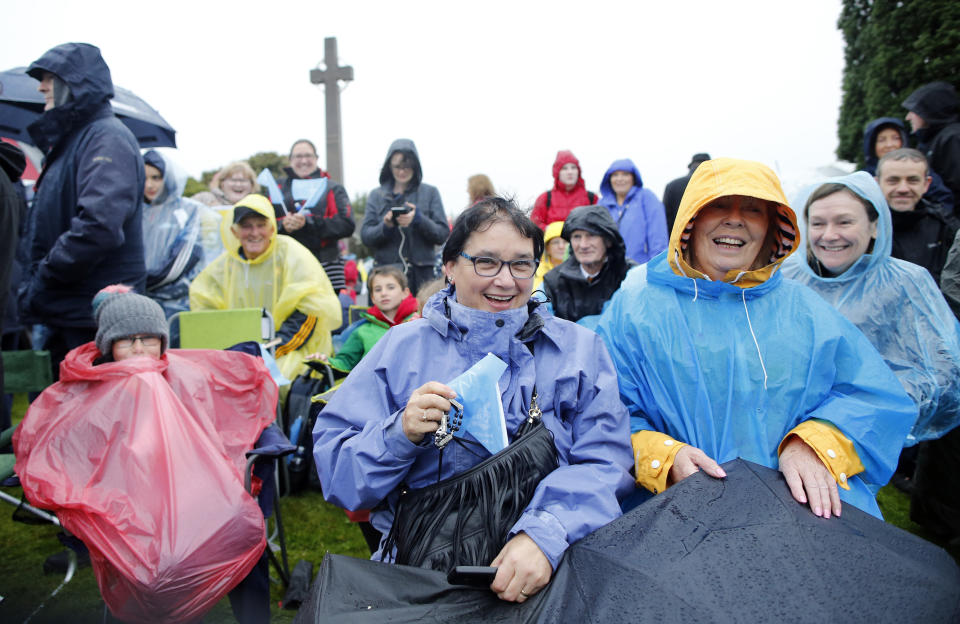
[722,177]
[284,279]
[546,264]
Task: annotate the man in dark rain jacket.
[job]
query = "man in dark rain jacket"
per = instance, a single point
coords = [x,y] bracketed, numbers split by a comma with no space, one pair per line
[592,273]
[84,231]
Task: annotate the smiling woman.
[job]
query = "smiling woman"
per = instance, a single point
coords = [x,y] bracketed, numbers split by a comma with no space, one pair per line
[376,436]
[719,357]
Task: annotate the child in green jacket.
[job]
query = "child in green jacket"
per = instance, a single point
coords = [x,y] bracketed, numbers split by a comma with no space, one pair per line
[392,304]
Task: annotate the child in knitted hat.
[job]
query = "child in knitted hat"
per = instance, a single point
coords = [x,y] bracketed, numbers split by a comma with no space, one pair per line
[128,325]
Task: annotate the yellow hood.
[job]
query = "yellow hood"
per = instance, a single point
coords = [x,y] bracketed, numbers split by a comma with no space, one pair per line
[260,205]
[721,177]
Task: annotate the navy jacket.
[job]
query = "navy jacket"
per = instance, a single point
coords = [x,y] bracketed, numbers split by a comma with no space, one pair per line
[84,231]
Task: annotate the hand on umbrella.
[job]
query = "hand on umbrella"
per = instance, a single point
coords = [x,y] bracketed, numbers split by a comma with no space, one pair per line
[690,460]
[422,413]
[808,478]
[522,569]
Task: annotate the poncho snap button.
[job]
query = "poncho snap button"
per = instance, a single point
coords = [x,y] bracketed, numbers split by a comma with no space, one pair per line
[655,463]
[831,454]
[843,477]
[668,442]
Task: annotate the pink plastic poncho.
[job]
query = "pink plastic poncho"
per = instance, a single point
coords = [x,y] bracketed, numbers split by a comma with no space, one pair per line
[143,460]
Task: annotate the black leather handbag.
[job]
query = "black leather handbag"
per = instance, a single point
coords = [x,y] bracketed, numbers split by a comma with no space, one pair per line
[465,520]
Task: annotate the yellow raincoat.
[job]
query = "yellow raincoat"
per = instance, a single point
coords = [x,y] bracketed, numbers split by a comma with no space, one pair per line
[546,265]
[284,279]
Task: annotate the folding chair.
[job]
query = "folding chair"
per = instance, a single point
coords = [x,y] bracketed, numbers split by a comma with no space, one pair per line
[219,329]
[27,371]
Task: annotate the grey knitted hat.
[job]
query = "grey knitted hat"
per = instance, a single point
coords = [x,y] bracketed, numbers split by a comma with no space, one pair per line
[121,313]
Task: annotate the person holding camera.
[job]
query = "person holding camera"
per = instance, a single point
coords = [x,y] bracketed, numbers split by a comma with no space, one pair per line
[405,221]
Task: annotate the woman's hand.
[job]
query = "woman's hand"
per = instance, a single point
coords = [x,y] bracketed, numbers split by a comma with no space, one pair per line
[318,356]
[424,409]
[406,219]
[808,478]
[293,221]
[522,569]
[689,460]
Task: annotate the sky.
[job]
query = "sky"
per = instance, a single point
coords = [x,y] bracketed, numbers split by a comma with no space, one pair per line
[494,87]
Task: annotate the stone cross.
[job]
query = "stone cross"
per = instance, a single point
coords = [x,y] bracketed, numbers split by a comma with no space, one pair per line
[329,77]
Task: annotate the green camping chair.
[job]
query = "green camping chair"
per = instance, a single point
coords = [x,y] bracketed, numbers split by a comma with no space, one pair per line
[219,329]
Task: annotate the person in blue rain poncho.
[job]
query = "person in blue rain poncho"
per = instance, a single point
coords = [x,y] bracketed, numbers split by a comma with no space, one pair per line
[638,213]
[718,356]
[895,303]
[370,437]
[177,234]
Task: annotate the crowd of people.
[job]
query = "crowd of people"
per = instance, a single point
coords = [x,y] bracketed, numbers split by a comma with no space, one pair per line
[818,336]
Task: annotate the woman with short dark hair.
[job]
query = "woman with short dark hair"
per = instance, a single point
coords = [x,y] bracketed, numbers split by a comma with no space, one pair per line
[376,436]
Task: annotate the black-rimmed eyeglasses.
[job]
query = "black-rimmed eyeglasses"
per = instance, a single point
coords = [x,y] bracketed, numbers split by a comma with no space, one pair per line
[491,267]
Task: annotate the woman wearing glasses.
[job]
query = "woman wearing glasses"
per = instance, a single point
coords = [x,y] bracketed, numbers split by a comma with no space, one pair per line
[404,220]
[377,431]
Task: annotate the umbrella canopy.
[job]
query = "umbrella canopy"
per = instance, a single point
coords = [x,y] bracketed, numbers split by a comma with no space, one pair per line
[738,549]
[21,104]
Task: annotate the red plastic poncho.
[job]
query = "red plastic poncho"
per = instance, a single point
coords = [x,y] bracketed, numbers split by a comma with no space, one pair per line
[143,460]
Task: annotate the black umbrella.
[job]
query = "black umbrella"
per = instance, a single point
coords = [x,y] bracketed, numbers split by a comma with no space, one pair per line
[21,104]
[738,549]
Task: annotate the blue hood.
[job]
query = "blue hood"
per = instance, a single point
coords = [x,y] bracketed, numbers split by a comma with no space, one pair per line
[91,88]
[863,185]
[870,138]
[608,197]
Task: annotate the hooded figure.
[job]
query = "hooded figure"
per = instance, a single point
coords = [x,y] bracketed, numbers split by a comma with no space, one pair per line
[938,193]
[938,131]
[84,230]
[737,367]
[286,279]
[412,246]
[556,204]
[546,265]
[174,240]
[898,307]
[640,217]
[573,293]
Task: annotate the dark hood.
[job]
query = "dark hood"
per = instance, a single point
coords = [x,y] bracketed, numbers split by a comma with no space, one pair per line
[91,88]
[936,102]
[406,146]
[596,220]
[870,139]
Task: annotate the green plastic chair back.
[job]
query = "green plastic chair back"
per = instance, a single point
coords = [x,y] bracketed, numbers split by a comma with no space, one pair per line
[219,329]
[26,371]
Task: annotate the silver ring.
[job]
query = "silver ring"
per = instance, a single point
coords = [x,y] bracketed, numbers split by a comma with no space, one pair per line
[423,416]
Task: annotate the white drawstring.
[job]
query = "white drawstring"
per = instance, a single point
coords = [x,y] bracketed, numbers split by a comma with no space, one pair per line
[743,295]
[696,292]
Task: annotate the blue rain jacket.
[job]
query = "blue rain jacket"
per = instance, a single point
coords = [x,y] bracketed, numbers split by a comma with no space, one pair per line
[362,454]
[899,308]
[731,367]
[641,219]
[173,241]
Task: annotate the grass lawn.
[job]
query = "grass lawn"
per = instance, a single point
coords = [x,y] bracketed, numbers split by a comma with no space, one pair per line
[313,527]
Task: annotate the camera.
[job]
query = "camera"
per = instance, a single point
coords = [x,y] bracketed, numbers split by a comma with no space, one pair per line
[400,210]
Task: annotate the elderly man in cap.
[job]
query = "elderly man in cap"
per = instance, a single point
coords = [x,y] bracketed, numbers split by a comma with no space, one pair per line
[259,269]
[84,231]
[592,273]
[673,193]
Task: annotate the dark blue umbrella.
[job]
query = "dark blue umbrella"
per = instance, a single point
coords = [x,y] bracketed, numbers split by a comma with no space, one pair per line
[21,104]
[729,550]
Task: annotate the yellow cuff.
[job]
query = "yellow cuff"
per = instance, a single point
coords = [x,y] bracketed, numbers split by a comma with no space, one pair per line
[834,449]
[653,454]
